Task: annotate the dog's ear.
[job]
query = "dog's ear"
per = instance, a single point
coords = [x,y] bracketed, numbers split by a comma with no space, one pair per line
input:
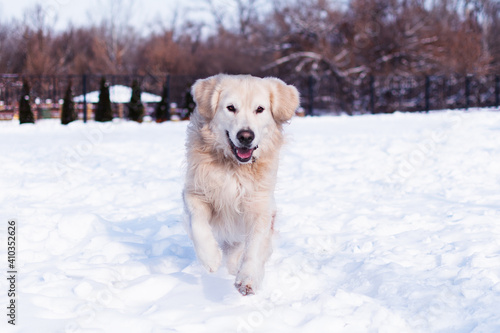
[284,100]
[206,95]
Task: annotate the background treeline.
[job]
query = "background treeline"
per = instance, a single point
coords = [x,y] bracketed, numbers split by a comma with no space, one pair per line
[350,39]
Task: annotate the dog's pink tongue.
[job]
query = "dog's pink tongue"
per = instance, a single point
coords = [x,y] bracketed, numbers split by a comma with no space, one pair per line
[244,153]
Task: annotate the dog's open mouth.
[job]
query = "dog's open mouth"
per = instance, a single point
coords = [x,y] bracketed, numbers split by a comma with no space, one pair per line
[243,154]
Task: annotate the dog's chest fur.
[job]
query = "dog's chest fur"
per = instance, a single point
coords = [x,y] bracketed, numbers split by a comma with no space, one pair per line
[234,187]
[233,191]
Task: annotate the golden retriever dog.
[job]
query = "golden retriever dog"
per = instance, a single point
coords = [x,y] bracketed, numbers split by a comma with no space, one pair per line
[233,144]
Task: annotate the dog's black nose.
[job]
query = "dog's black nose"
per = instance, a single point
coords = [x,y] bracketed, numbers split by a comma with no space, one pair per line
[245,137]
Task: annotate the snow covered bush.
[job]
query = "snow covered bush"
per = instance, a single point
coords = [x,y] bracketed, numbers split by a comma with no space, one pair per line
[25,112]
[162,111]
[189,103]
[68,113]
[135,107]
[104,111]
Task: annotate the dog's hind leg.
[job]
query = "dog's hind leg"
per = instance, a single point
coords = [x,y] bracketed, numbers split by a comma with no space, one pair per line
[198,227]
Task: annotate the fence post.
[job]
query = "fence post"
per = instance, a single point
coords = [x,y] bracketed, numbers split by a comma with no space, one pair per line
[167,85]
[427,93]
[467,91]
[310,88]
[54,90]
[497,90]
[7,94]
[84,90]
[372,94]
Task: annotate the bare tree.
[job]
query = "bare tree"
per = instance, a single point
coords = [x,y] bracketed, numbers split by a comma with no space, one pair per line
[492,33]
[38,30]
[218,13]
[247,15]
[116,37]
[4,41]
[288,37]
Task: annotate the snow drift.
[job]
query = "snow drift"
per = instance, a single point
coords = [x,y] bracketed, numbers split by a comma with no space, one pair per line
[386,223]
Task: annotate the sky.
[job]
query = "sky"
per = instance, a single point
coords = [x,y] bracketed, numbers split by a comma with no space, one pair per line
[144,15]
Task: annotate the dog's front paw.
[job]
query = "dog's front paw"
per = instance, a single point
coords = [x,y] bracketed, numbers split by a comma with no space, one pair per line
[247,283]
[210,257]
[248,279]
[244,287]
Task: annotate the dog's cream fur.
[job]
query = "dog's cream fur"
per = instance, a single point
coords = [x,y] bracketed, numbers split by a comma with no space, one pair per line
[229,204]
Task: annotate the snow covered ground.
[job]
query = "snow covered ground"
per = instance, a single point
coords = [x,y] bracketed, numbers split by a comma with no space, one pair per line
[387,223]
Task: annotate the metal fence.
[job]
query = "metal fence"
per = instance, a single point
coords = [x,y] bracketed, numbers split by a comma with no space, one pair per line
[47,92]
[319,95]
[377,94]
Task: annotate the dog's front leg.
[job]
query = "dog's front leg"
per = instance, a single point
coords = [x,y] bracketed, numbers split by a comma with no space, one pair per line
[198,227]
[257,251]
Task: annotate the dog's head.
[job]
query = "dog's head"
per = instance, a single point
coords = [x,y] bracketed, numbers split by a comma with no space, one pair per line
[244,111]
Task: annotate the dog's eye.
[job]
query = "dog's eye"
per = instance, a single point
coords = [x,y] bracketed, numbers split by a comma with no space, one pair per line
[231,108]
[259,109]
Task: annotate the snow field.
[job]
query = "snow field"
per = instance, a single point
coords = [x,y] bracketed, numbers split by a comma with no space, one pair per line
[386,223]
